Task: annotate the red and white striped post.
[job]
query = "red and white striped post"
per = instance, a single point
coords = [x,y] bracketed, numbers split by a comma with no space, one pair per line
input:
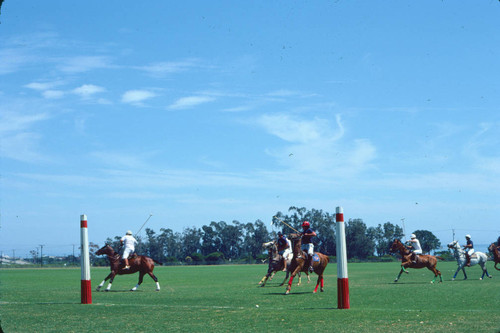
[342,279]
[85,261]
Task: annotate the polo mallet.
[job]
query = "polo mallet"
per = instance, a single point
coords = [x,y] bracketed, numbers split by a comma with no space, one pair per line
[277,218]
[137,233]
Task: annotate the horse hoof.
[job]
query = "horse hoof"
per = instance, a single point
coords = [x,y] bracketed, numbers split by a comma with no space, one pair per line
[287,292]
[490,276]
[452,279]
[157,289]
[396,280]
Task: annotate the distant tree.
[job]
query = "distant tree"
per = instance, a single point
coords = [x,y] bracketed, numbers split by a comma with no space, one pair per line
[254,236]
[383,236]
[427,240]
[358,243]
[190,241]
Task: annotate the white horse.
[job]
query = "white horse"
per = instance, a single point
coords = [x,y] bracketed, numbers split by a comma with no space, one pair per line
[475,259]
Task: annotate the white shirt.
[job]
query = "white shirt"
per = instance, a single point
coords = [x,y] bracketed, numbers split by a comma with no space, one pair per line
[129,242]
[416,245]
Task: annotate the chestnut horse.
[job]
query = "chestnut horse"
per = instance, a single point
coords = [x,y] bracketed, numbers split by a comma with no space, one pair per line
[423,261]
[319,262]
[276,263]
[496,254]
[141,264]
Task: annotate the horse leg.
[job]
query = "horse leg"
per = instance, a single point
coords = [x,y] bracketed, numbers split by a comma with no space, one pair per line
[103,281]
[264,280]
[291,279]
[300,278]
[141,277]
[155,279]
[399,275]
[111,277]
[320,281]
[465,274]
[286,278]
[436,274]
[455,275]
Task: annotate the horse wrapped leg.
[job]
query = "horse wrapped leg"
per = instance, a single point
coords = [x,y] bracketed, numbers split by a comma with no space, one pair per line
[103,281]
[141,276]
[399,275]
[155,279]
[289,287]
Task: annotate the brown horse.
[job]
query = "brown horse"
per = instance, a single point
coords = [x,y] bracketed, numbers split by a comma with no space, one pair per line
[496,254]
[141,264]
[423,261]
[276,264]
[319,261]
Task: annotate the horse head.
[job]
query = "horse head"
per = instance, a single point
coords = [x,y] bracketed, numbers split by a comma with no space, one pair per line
[106,249]
[395,245]
[454,245]
[493,249]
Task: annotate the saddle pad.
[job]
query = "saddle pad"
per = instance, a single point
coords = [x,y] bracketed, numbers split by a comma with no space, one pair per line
[315,257]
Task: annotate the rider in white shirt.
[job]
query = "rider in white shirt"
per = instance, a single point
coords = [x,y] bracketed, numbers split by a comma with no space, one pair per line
[129,242]
[415,247]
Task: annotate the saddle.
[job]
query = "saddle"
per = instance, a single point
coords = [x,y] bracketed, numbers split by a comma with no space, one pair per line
[131,256]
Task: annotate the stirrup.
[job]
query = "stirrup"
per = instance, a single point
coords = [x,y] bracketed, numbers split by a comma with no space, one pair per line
[126,267]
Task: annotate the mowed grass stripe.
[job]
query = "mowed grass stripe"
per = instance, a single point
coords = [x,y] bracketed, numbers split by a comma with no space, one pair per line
[224,299]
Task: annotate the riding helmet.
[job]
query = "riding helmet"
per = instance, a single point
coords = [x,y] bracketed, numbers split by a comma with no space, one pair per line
[305,224]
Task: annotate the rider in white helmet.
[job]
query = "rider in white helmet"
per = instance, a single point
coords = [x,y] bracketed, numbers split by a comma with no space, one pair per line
[469,249]
[415,248]
[129,246]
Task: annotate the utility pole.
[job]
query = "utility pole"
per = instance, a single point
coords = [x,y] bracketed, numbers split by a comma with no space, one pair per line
[453,230]
[41,255]
[404,230]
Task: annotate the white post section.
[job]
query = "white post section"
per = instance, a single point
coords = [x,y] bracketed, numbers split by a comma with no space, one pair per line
[342,279]
[85,262]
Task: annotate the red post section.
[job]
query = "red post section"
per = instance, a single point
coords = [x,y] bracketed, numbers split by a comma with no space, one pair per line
[85,262]
[342,279]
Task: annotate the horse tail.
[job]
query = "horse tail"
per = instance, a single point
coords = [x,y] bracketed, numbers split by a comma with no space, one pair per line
[157,262]
[440,258]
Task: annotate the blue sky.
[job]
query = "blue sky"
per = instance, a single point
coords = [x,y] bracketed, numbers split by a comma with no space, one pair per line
[205,111]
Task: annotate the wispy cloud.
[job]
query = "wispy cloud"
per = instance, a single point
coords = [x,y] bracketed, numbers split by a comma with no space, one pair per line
[314,145]
[87,90]
[53,94]
[190,102]
[19,140]
[82,64]
[160,69]
[41,86]
[137,96]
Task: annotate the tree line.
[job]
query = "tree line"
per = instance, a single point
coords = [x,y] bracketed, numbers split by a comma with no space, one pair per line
[242,242]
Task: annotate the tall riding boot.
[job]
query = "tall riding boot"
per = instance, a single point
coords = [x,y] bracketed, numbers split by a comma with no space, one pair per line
[467,262]
[311,269]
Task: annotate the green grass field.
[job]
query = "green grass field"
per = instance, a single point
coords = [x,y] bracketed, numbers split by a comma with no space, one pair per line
[224,299]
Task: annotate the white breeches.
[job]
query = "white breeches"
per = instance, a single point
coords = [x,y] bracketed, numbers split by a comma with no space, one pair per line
[126,252]
[309,248]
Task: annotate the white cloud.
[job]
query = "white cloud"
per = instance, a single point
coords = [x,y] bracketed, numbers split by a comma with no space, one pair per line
[191,101]
[53,94]
[296,130]
[41,86]
[19,141]
[84,64]
[88,90]
[163,68]
[137,96]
